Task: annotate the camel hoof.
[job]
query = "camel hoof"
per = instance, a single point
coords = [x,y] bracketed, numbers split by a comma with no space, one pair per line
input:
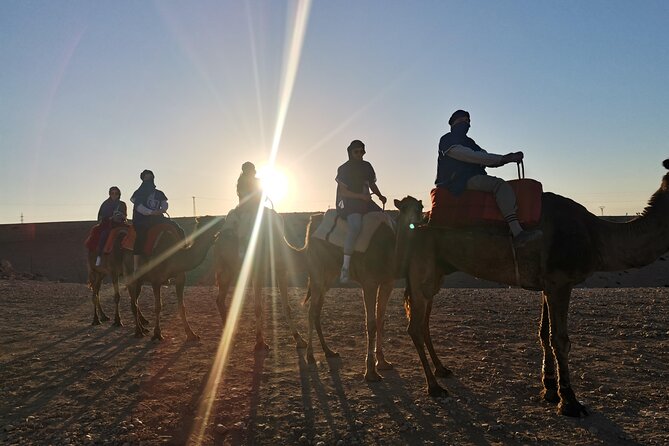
[261,346]
[572,409]
[157,337]
[332,354]
[118,323]
[437,391]
[96,322]
[373,377]
[104,318]
[550,395]
[384,365]
[442,372]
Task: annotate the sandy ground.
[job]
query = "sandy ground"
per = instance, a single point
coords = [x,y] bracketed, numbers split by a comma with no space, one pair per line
[64,381]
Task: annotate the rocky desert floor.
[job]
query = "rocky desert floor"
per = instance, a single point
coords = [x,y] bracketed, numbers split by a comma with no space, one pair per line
[64,381]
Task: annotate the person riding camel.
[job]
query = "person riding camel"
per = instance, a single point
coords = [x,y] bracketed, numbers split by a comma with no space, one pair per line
[113,213]
[149,206]
[355,178]
[461,166]
[240,220]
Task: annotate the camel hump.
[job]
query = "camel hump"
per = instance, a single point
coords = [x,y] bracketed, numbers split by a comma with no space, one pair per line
[333,230]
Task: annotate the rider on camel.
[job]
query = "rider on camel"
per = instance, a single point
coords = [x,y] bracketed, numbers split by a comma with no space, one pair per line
[113,213]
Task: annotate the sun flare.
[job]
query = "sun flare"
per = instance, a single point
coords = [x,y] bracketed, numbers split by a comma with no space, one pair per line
[275,183]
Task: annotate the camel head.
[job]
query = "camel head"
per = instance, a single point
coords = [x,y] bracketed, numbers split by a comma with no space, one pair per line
[208,226]
[411,212]
[658,205]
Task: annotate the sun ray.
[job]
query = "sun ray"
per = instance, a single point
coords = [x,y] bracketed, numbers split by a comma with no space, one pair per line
[220,361]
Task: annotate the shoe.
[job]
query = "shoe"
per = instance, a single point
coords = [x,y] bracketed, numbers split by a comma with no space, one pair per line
[98,261]
[527,237]
[343,276]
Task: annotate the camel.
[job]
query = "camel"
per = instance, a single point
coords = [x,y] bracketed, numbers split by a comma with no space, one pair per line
[575,244]
[113,268]
[170,260]
[375,270]
[273,258]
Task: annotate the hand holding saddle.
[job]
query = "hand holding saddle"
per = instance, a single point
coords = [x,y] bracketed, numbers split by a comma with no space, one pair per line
[513,157]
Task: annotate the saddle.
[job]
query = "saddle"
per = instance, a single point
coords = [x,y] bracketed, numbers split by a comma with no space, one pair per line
[474,208]
[121,231]
[333,228]
[94,234]
[152,238]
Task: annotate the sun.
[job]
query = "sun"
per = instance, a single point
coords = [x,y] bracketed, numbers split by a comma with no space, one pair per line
[275,183]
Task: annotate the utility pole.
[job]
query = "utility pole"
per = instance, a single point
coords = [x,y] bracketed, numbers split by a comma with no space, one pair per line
[21,217]
[601,208]
[194,213]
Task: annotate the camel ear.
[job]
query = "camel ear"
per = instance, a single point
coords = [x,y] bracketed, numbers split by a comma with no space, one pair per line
[665,163]
[397,203]
[420,202]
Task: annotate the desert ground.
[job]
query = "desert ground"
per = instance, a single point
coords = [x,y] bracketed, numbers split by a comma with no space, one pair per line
[64,381]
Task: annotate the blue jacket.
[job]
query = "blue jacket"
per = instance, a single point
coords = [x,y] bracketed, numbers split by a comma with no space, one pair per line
[451,173]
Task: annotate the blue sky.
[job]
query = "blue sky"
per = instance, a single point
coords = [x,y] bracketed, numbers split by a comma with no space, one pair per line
[92,93]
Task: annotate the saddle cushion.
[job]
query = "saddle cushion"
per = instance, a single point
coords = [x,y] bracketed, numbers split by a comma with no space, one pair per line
[337,234]
[120,231]
[128,242]
[93,238]
[477,208]
[155,233]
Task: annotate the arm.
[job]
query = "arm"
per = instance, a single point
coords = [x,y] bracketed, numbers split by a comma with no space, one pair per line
[344,192]
[482,158]
[377,192]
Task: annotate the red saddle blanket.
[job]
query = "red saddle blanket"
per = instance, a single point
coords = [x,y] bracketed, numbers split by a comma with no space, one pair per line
[476,208]
[95,233]
[155,232]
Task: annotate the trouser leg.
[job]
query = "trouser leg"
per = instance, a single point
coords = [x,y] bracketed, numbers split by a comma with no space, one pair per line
[354,227]
[504,197]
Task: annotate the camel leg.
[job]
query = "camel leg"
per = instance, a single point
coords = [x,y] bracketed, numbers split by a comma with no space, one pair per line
[416,329]
[260,319]
[283,290]
[550,391]
[134,289]
[223,280]
[98,284]
[369,297]
[381,305]
[157,332]
[179,285]
[439,369]
[329,353]
[315,309]
[98,314]
[95,299]
[558,308]
[117,301]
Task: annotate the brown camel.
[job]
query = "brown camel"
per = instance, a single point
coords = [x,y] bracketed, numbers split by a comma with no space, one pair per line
[575,244]
[273,258]
[112,266]
[375,269]
[170,260]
